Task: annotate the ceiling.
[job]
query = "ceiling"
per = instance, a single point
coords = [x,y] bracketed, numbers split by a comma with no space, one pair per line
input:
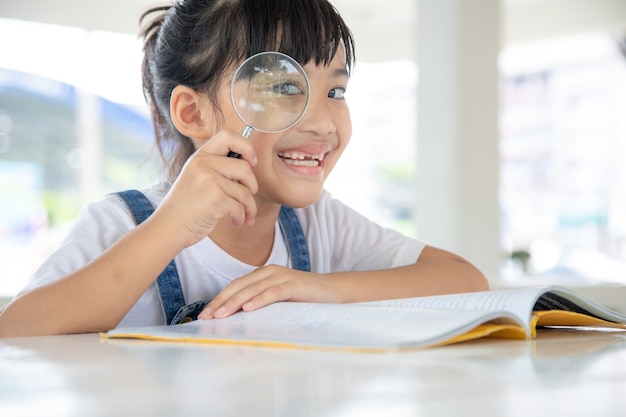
[384,30]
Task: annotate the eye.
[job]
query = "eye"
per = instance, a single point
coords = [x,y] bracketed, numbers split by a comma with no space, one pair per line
[338,93]
[287,89]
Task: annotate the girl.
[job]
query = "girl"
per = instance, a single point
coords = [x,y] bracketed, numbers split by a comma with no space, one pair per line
[238,232]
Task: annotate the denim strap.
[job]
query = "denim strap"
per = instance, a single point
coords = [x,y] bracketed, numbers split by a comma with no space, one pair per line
[168,283]
[294,237]
[296,245]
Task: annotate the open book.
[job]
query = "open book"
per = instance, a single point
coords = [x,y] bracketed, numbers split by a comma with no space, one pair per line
[393,324]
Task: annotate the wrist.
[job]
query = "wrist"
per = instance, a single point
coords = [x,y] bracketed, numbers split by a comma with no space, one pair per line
[161,229]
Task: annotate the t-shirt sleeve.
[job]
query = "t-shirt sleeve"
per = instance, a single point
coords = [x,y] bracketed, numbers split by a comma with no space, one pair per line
[97,227]
[341,239]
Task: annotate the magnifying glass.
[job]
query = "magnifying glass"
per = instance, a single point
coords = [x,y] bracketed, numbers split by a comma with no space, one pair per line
[269,92]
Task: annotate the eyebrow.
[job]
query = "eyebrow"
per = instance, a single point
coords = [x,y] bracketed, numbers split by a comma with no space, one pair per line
[341,72]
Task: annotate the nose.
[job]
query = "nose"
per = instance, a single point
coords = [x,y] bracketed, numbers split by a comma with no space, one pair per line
[318,118]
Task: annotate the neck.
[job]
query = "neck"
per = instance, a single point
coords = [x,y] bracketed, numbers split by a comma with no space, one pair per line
[249,244]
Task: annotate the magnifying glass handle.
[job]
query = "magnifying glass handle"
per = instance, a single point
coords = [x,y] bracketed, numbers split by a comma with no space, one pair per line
[247,131]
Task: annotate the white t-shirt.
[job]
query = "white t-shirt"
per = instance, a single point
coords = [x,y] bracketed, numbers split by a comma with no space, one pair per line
[338,239]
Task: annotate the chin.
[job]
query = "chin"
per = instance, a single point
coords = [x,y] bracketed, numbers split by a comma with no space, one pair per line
[299,198]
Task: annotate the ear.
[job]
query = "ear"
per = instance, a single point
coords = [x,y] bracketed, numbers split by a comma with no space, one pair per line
[190,113]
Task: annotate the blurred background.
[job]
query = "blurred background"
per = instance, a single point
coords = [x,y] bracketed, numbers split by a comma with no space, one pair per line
[496,129]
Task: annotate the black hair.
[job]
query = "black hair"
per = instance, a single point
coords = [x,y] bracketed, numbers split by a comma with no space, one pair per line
[196,42]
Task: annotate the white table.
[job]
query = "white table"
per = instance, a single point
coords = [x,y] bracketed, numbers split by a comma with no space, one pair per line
[562,373]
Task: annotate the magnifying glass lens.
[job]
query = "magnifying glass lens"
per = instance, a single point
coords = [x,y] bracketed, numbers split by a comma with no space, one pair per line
[270,92]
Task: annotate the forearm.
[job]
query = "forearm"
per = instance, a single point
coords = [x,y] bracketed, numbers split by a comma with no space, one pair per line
[436,272]
[97,296]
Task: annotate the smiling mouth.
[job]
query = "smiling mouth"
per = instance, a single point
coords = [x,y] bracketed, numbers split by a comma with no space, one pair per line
[302,160]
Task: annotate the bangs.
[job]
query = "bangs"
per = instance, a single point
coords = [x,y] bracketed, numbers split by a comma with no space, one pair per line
[304,29]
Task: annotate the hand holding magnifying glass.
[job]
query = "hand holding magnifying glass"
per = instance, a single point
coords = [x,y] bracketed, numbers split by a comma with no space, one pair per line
[269,92]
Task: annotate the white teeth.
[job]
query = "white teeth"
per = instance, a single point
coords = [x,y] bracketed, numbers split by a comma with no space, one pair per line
[301,159]
[301,163]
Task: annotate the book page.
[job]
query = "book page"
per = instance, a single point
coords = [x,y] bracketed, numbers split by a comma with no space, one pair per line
[386,325]
[520,302]
[561,298]
[517,302]
[346,326]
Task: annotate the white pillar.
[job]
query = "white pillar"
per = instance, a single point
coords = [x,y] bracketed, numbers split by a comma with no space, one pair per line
[89,128]
[457,182]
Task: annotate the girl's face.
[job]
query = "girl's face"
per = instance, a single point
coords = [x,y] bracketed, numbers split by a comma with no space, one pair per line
[293,164]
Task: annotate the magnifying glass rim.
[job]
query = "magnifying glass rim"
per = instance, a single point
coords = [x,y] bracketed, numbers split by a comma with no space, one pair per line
[298,67]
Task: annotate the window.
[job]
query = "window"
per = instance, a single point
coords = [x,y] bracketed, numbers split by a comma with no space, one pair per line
[74,126]
[376,175]
[563,156]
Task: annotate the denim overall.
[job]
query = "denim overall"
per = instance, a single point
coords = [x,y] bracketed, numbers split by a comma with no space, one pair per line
[168,284]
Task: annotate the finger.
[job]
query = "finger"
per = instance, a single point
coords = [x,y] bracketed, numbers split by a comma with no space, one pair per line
[228,142]
[217,301]
[235,294]
[238,171]
[256,295]
[228,207]
[271,295]
[241,205]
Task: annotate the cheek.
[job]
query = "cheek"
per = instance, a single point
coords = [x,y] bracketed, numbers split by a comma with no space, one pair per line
[263,144]
[232,121]
[344,134]
[344,128]
[347,133]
